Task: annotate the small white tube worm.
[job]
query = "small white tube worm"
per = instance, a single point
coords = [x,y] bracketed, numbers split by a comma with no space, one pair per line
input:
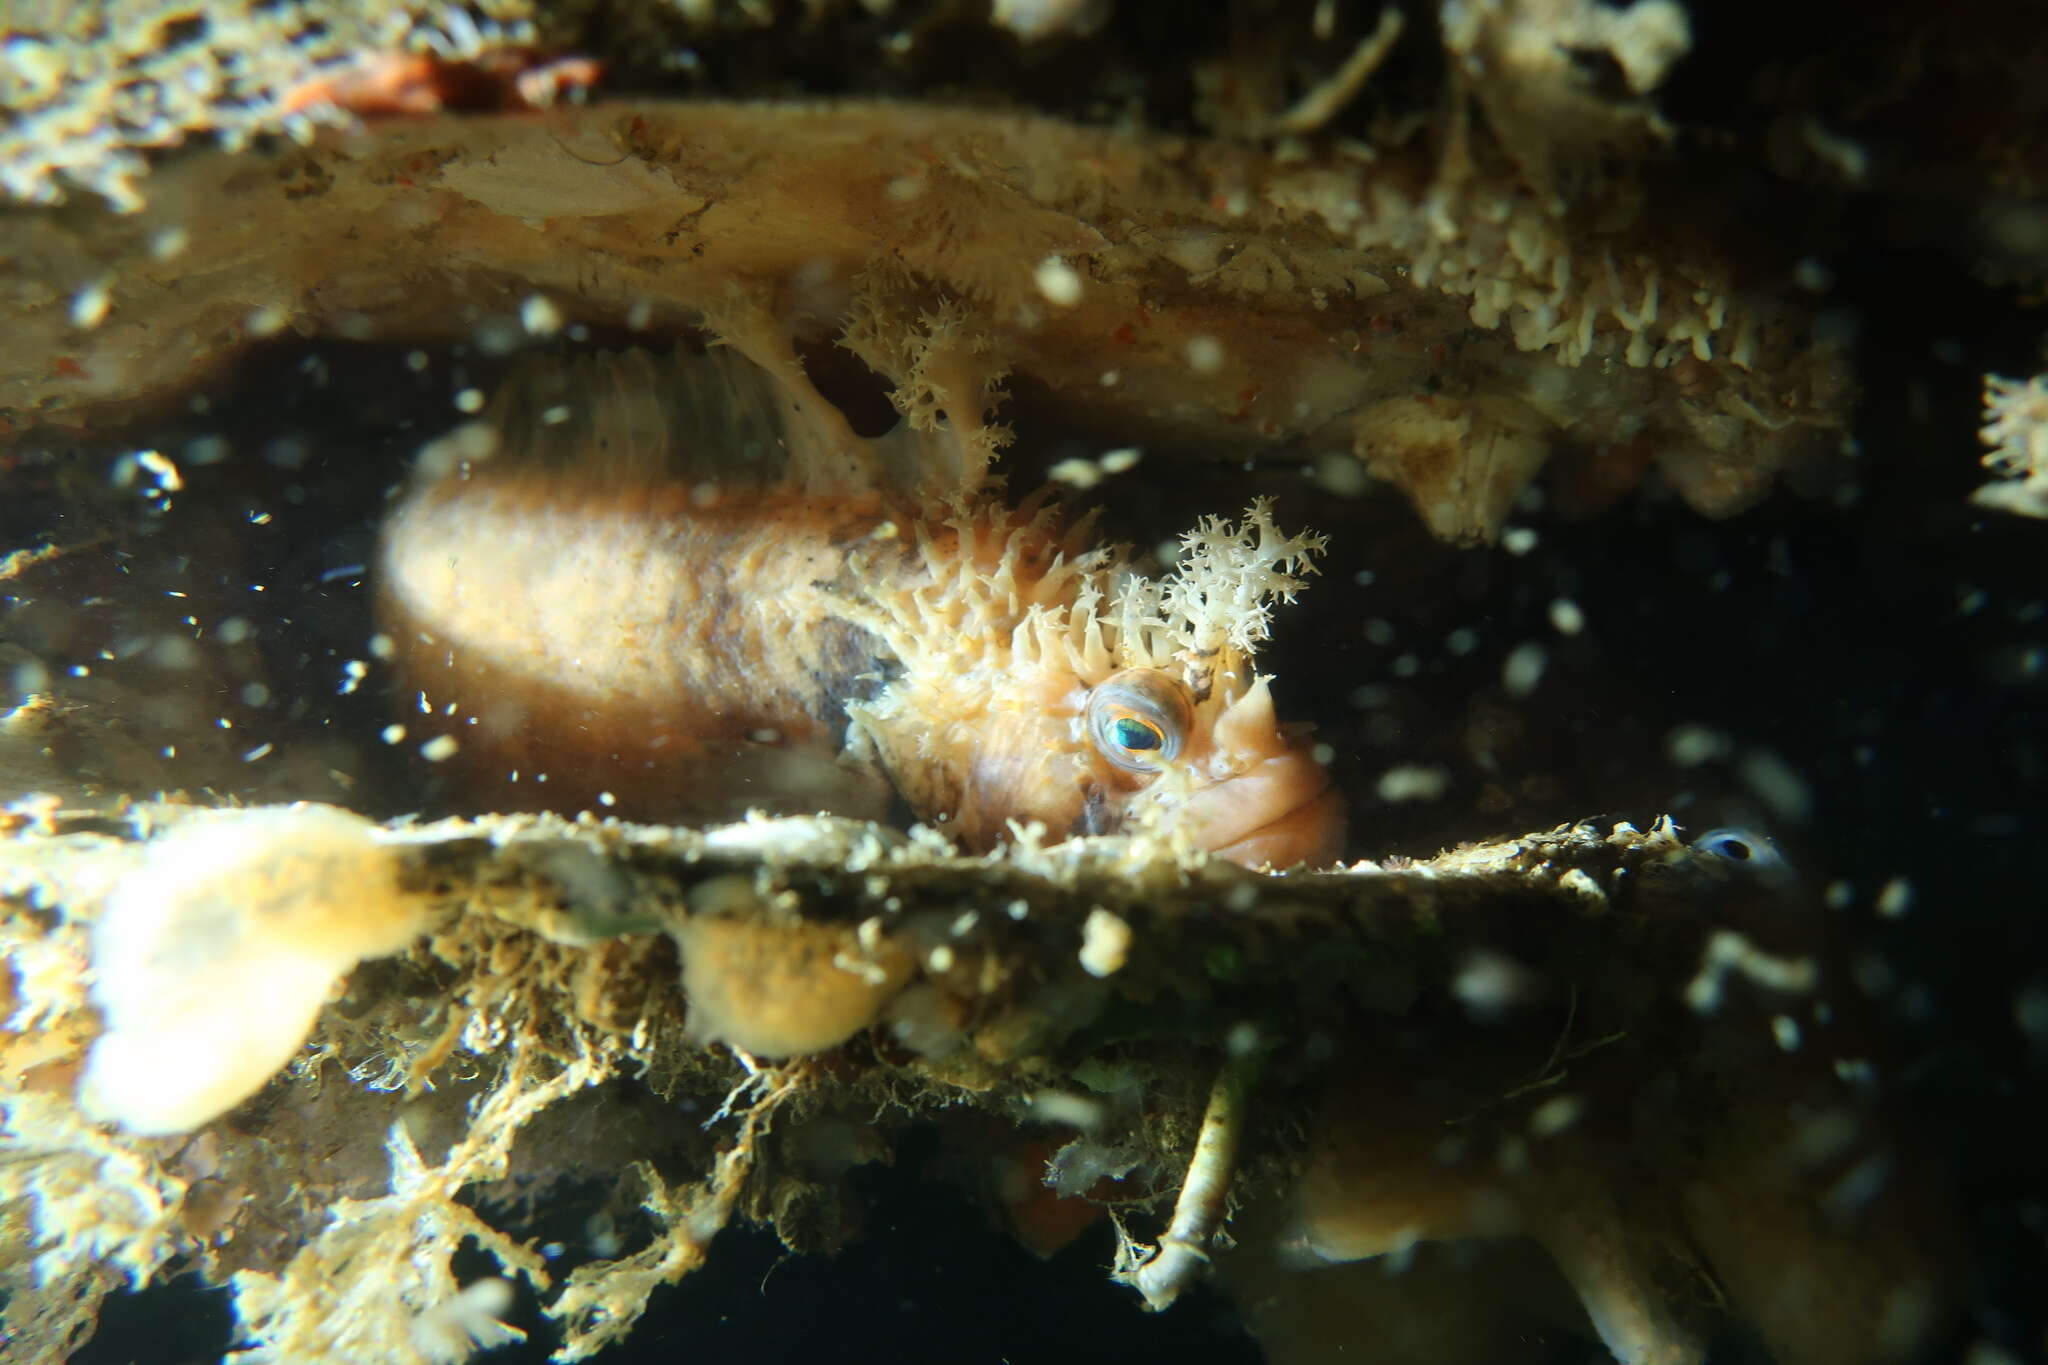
[1184,1248]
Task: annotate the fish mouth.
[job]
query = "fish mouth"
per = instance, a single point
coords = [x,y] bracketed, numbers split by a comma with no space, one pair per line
[1311,833]
[1280,812]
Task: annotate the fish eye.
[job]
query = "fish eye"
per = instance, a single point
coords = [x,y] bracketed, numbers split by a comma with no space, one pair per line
[1138,719]
[1131,732]
[1740,846]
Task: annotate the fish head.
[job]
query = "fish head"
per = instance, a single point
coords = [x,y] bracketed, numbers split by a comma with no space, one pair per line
[1219,770]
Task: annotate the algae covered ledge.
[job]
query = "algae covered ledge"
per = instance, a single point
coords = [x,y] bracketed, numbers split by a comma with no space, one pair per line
[698,1017]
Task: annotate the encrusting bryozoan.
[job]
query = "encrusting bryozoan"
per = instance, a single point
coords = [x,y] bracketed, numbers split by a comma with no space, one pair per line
[215,953]
[685,588]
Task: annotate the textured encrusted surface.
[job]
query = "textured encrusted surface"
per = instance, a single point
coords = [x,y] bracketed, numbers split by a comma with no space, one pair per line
[1447,311]
[89,88]
[549,972]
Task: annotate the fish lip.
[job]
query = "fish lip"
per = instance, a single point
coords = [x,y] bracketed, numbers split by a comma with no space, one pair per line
[1329,849]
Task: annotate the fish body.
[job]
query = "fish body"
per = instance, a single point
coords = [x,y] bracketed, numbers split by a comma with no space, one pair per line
[687,634]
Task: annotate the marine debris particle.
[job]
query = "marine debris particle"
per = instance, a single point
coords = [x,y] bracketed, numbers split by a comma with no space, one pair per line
[548,966]
[1105,943]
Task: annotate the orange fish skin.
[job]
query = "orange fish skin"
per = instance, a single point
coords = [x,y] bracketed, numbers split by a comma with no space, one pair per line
[621,643]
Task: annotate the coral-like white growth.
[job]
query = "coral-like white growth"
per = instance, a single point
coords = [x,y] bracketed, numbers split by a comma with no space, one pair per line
[1089,609]
[1221,592]
[214,955]
[949,379]
[2016,430]
[378,1283]
[90,1199]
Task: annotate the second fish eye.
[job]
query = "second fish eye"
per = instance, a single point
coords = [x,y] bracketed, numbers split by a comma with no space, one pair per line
[1138,719]
[1741,846]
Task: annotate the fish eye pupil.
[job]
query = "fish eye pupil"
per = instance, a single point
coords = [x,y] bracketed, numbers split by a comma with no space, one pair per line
[1135,734]
[1138,719]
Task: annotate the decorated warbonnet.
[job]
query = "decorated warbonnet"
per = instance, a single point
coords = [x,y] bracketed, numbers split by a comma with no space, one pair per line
[684,588]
